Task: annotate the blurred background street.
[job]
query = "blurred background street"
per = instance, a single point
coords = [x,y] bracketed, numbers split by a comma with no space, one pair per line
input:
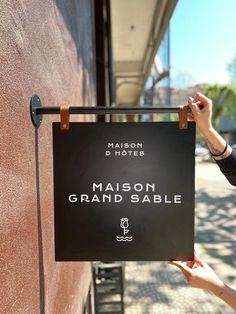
[156,287]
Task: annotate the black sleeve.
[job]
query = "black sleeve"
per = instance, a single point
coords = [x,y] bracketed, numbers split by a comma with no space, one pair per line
[228,167]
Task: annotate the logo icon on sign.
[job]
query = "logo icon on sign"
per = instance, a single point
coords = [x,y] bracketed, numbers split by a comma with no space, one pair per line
[124,224]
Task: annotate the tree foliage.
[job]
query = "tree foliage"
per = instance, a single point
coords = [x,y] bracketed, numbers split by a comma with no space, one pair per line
[224,101]
[232,71]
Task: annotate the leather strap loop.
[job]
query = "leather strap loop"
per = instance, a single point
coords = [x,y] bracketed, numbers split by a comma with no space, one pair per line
[65,116]
[183,117]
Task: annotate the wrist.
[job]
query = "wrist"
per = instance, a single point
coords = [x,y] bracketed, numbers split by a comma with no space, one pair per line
[217,288]
[207,131]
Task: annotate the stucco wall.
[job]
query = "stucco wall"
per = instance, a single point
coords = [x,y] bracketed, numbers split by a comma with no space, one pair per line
[46,48]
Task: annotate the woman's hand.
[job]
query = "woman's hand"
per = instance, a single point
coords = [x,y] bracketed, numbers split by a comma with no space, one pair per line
[201,108]
[202,116]
[200,275]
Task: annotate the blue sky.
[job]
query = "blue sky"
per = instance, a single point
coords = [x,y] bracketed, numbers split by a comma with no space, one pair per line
[203,39]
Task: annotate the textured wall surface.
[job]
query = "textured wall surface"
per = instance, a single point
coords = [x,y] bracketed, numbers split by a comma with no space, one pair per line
[46,49]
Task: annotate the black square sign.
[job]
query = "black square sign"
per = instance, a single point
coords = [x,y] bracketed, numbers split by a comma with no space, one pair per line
[124,191]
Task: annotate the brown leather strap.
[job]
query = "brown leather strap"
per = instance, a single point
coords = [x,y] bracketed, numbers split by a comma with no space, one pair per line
[183,117]
[65,116]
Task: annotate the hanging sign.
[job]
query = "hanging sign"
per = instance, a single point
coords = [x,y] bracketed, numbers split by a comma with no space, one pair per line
[124,191]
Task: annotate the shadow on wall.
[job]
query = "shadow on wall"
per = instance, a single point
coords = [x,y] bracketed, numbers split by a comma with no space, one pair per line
[39,223]
[79,20]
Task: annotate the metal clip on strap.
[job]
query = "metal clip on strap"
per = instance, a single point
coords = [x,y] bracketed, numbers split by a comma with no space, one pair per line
[65,116]
[183,117]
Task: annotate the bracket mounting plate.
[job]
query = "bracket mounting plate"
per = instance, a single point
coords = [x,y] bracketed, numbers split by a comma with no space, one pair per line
[35,103]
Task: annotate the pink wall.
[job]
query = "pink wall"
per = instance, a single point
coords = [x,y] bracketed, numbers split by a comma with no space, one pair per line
[46,49]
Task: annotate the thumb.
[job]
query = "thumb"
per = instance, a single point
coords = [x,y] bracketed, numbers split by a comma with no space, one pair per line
[198,260]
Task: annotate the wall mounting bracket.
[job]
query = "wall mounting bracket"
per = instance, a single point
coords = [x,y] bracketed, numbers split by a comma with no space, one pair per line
[35,104]
[37,110]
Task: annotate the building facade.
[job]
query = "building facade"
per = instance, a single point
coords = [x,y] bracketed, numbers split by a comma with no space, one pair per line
[62,51]
[47,48]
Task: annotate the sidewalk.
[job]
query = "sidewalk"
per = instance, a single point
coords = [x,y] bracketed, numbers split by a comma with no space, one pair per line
[156,287]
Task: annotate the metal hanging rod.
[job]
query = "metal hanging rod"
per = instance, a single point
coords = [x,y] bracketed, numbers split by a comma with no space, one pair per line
[108,110]
[37,110]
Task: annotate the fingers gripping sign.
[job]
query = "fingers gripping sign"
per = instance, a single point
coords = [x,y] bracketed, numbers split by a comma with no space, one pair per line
[201,108]
[205,101]
[198,273]
[201,113]
[183,267]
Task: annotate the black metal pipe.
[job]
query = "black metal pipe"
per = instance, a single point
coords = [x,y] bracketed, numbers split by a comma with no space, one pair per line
[108,110]
[37,110]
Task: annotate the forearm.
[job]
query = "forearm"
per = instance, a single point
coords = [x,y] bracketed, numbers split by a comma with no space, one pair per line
[227,294]
[216,143]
